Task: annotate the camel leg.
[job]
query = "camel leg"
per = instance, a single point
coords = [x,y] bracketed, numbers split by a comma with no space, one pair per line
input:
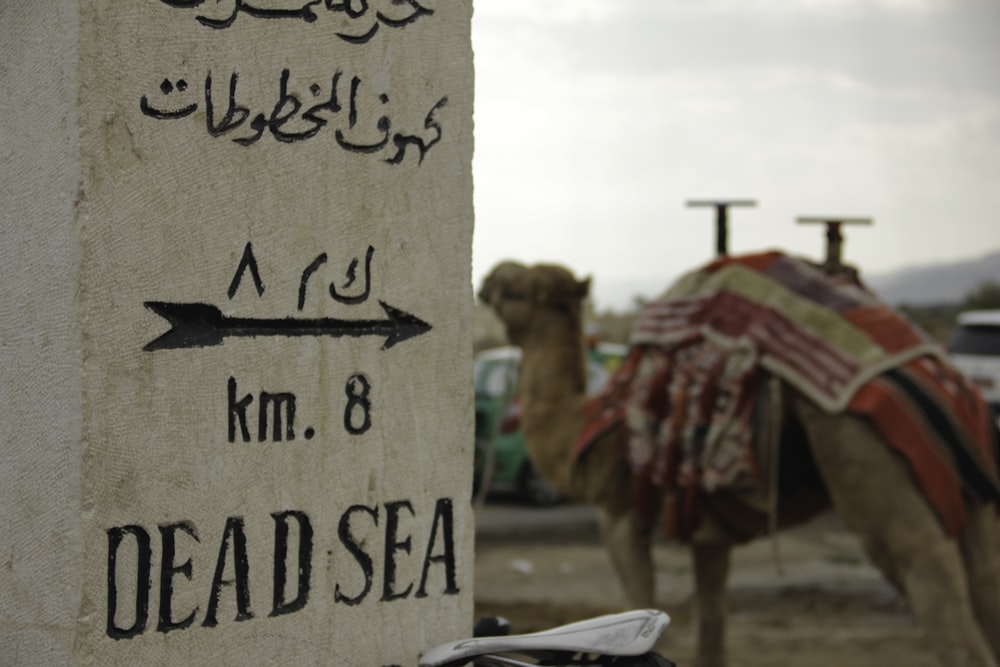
[711,572]
[875,495]
[629,541]
[980,541]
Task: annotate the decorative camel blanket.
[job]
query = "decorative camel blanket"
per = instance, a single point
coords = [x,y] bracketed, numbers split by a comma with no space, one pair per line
[686,392]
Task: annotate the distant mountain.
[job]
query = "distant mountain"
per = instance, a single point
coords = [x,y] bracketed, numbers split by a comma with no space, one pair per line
[937,283]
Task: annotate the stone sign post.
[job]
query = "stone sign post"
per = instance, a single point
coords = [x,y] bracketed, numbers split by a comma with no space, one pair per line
[236,390]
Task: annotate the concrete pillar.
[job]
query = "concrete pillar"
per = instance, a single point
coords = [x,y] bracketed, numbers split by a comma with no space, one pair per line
[235,405]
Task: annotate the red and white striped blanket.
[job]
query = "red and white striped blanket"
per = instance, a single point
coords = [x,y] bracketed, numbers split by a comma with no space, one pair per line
[687,389]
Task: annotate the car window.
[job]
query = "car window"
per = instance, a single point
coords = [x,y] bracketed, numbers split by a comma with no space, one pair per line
[492,378]
[973,339]
[597,377]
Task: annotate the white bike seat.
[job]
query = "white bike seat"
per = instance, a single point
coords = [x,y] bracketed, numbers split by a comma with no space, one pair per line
[625,634]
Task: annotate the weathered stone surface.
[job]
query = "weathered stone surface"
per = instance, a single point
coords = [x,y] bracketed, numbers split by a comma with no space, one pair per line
[237,412]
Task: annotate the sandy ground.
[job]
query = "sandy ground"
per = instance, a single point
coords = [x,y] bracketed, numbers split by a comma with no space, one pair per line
[826,606]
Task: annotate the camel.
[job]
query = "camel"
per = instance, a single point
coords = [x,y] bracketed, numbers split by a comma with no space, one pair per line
[828,460]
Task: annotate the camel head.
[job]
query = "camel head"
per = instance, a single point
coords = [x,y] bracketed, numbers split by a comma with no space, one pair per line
[535,300]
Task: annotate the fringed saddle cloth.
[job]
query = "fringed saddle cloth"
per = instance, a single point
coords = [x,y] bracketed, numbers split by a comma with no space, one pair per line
[686,391]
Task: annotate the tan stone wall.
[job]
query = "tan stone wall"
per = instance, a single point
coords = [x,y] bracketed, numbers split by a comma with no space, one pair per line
[261,194]
[40,379]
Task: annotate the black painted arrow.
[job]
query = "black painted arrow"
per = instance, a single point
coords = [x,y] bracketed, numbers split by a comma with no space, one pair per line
[204,325]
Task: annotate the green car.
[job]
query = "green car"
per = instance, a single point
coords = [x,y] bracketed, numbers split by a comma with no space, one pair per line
[500,450]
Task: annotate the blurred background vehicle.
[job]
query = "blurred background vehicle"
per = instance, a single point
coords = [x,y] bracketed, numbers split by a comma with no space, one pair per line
[975,348]
[501,456]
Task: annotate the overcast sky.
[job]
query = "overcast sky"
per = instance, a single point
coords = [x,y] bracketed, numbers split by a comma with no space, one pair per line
[597,119]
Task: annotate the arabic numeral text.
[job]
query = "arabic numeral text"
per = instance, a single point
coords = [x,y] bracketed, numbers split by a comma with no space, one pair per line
[359,406]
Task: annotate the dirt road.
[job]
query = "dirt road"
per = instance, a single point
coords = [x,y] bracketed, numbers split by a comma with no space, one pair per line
[826,607]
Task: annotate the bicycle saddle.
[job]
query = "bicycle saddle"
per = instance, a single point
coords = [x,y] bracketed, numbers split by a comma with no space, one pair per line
[610,637]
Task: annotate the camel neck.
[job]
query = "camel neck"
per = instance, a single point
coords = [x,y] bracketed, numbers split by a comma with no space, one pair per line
[552,387]
[553,371]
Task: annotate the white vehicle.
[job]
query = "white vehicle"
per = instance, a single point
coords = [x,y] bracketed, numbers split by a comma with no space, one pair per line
[975,348]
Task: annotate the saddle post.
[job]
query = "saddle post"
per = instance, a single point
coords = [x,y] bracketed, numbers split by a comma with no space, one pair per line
[834,237]
[721,219]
